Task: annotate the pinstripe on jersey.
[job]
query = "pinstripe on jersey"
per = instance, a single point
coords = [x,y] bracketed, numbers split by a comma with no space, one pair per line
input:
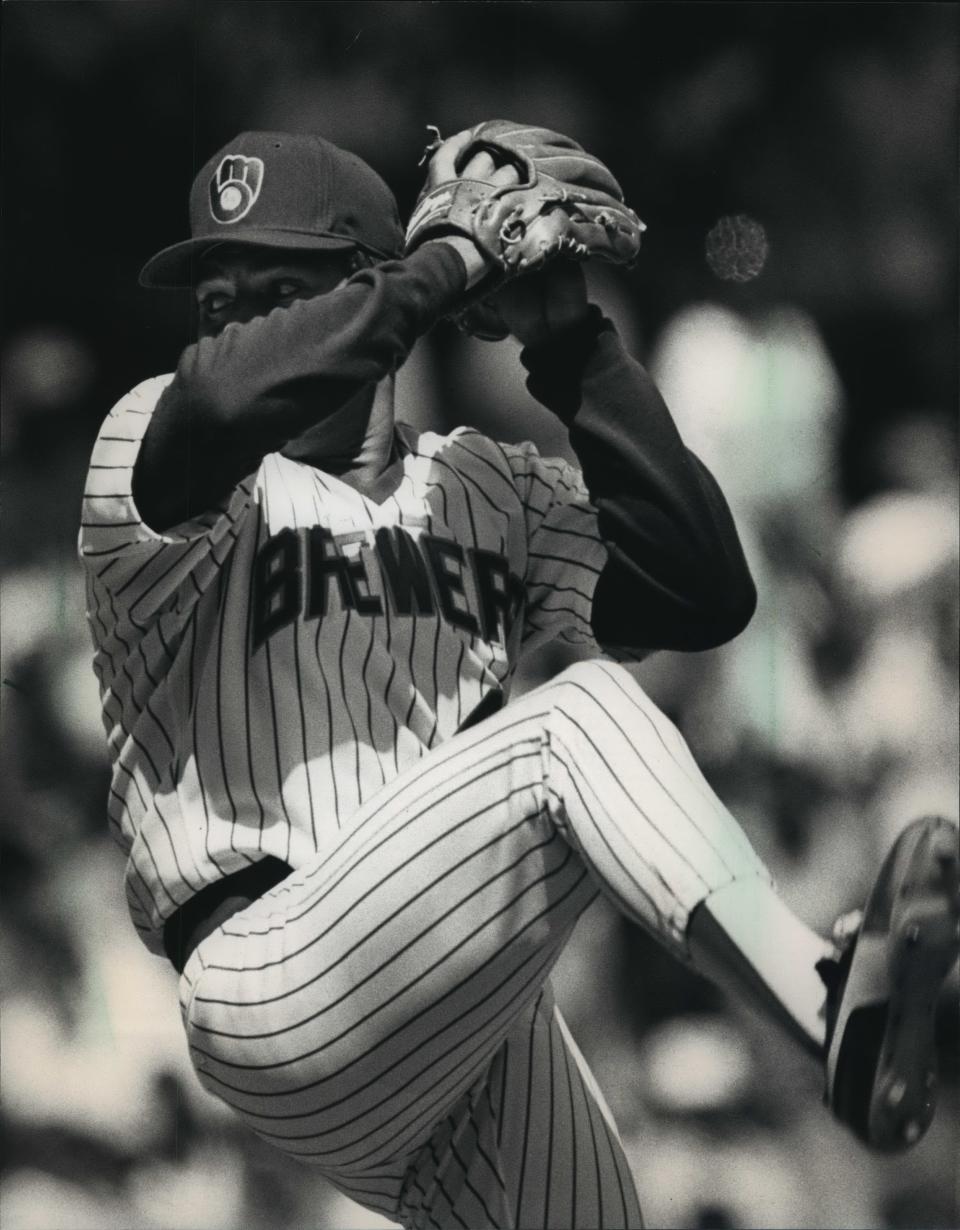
[266,667]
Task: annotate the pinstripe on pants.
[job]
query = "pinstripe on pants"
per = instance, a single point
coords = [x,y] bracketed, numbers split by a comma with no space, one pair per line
[382,1013]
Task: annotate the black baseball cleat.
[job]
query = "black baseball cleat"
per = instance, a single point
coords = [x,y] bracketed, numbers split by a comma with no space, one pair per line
[882,990]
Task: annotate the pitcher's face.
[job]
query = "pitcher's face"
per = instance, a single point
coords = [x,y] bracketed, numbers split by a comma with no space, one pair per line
[239,282]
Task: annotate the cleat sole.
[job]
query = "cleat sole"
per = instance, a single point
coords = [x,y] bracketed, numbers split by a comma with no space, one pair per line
[882,1072]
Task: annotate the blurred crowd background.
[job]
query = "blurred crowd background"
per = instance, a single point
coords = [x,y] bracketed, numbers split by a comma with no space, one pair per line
[796,299]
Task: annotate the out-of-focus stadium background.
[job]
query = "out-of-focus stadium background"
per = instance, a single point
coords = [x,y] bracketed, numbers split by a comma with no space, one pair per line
[796,299]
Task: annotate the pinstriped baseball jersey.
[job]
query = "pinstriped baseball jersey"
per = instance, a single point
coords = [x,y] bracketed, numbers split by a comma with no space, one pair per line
[266,667]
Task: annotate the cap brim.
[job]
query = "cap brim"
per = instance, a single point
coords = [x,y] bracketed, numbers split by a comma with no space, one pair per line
[176,266]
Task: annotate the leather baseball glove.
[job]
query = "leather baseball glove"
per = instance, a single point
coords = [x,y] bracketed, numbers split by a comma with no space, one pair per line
[538,196]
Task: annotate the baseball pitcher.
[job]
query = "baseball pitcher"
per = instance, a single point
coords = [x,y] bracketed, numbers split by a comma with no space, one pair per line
[362,860]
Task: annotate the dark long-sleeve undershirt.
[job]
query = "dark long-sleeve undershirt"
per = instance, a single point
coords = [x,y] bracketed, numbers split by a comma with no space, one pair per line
[675,577]
[256,386]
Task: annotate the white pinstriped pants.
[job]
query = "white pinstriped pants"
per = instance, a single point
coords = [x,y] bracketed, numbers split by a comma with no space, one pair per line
[385,1011]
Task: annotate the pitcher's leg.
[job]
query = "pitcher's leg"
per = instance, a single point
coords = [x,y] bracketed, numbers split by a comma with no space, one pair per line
[345,1012]
[560,1148]
[626,792]
[532,1146]
[659,831]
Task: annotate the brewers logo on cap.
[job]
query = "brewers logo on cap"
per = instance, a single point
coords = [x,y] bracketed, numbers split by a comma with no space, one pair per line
[234,187]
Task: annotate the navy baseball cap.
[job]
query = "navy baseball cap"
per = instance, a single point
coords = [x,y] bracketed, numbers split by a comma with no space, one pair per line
[285,190]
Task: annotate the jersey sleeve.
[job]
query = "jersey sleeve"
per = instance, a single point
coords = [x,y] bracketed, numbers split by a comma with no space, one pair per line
[565,554]
[139,568]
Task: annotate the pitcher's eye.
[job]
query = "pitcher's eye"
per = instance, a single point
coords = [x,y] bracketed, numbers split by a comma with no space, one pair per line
[213,301]
[287,288]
